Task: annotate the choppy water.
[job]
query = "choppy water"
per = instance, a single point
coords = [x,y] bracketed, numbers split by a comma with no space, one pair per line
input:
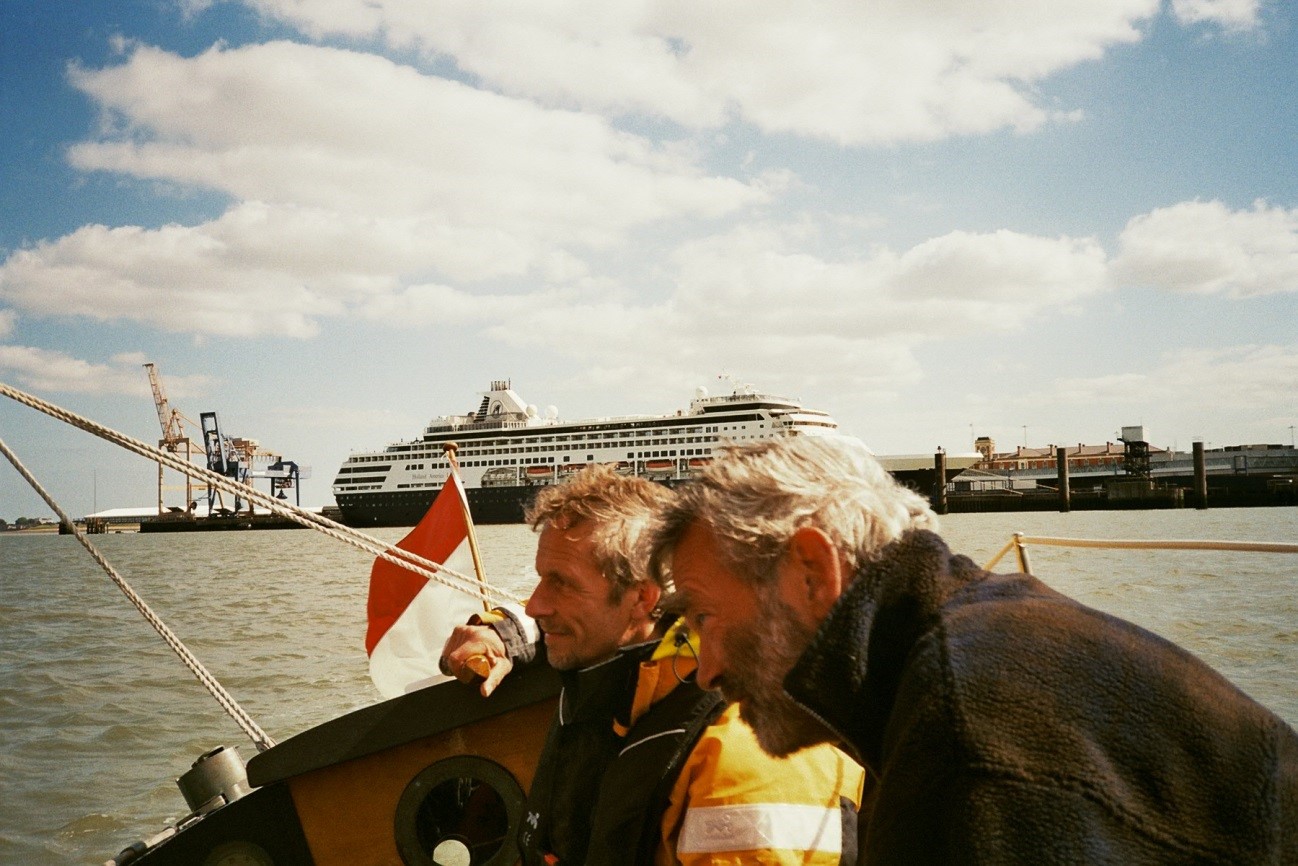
[98,718]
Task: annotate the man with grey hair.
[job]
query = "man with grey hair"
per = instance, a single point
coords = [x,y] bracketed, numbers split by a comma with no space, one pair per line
[1005,722]
[641,766]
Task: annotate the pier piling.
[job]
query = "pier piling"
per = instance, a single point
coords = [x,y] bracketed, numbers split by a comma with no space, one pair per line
[939,482]
[1200,478]
[1061,467]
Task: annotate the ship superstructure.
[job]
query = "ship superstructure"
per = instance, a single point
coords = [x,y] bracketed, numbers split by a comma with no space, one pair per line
[507,449]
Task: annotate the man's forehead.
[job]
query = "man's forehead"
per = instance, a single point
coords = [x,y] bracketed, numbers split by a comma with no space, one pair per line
[698,540]
[677,603]
[694,581]
[561,552]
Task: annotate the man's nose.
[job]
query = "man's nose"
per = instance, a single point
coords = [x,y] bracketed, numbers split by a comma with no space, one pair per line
[709,671]
[537,605]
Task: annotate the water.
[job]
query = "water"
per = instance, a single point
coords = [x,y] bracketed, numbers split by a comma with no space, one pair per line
[98,718]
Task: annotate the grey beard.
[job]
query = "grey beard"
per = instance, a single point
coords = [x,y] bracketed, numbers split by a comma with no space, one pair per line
[782,727]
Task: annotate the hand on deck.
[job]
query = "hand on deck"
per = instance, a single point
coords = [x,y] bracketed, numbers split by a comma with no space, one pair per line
[475,652]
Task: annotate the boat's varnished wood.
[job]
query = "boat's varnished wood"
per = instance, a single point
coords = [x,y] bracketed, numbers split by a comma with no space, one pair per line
[347,809]
[397,721]
[347,775]
[267,818]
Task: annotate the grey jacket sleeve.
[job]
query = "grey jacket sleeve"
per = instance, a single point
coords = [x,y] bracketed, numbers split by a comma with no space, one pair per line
[519,632]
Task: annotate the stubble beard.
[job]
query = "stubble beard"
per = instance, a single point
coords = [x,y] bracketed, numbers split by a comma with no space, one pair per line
[768,652]
[560,661]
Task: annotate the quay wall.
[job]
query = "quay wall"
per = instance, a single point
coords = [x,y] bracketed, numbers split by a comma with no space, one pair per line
[1223,492]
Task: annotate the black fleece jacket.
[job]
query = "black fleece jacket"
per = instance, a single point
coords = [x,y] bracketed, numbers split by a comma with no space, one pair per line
[1007,723]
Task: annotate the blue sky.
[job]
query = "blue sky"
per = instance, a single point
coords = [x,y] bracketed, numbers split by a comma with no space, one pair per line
[331,221]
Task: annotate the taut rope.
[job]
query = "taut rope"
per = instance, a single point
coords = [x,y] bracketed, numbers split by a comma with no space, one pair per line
[204,676]
[1020,541]
[432,570]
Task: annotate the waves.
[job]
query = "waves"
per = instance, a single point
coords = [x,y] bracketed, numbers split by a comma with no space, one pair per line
[98,718]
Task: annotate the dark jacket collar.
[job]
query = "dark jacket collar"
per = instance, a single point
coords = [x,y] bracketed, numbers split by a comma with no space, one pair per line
[604,690]
[849,674]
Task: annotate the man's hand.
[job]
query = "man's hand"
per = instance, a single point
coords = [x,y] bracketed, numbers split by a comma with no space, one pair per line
[473,652]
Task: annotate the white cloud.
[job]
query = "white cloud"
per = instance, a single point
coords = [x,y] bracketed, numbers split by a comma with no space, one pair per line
[353,178]
[46,370]
[130,358]
[7,320]
[353,132]
[238,276]
[755,299]
[941,287]
[1205,248]
[847,72]
[1228,14]
[1195,381]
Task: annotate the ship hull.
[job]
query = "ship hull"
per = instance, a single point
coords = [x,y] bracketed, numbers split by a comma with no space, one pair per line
[487,505]
[495,505]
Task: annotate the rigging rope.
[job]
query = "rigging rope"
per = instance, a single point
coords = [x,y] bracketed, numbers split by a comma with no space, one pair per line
[419,565]
[204,676]
[429,569]
[1019,541]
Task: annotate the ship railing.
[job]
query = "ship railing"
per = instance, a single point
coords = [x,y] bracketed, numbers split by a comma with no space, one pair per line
[485,425]
[1018,544]
[746,398]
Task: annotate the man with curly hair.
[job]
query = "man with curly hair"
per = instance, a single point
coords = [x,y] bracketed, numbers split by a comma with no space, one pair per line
[641,765]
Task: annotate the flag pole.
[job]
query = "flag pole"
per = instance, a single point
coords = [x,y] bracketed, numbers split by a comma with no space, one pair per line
[450,448]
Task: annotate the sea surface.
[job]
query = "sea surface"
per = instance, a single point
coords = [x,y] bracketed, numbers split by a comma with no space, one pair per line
[98,718]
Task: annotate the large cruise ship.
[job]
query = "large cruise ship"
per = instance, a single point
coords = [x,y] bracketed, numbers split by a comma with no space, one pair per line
[507,450]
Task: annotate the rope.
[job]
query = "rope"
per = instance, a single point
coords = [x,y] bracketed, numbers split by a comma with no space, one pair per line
[1142,544]
[431,570]
[1019,541]
[434,571]
[209,682]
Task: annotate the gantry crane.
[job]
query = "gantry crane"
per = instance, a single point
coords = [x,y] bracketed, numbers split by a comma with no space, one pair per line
[243,460]
[174,438]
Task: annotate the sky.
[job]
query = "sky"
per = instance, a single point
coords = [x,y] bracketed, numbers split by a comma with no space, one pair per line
[332,220]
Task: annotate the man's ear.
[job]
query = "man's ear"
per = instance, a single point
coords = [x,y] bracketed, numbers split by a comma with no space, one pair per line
[647,595]
[812,573]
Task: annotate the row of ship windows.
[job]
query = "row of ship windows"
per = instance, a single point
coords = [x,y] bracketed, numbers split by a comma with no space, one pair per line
[550,458]
[683,452]
[631,455]
[497,446]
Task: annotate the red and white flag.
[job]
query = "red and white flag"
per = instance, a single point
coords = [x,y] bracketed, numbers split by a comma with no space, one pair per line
[410,616]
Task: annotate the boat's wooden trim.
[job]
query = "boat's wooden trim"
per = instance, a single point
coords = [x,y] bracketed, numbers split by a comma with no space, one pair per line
[349,811]
[398,721]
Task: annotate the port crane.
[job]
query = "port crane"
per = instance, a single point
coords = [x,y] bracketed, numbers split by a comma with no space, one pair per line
[244,460]
[174,439]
